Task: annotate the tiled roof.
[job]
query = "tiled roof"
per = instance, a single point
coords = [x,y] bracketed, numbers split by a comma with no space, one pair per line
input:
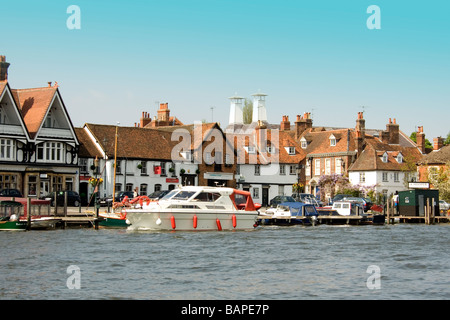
[33,105]
[441,156]
[133,142]
[251,137]
[319,141]
[371,158]
[2,86]
[87,147]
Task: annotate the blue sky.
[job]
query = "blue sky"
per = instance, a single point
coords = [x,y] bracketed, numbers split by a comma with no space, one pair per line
[308,56]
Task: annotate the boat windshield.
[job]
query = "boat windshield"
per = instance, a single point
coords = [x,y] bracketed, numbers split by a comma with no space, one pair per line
[170,195]
[183,195]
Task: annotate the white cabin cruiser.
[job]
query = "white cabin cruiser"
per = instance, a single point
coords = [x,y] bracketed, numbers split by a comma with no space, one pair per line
[196,208]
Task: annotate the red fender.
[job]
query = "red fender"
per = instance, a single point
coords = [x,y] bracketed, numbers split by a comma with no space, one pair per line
[233,218]
[219,226]
[195,222]
[172,221]
[125,200]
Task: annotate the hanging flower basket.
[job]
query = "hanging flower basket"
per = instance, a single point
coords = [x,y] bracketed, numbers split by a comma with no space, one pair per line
[297,187]
[95,182]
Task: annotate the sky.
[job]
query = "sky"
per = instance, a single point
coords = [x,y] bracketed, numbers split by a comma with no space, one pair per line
[307,56]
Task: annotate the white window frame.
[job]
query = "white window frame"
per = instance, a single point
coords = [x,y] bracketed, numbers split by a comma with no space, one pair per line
[52,151]
[7,149]
[317,167]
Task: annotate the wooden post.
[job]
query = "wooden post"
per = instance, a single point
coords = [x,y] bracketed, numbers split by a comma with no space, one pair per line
[388,211]
[432,210]
[427,212]
[56,202]
[65,203]
[28,213]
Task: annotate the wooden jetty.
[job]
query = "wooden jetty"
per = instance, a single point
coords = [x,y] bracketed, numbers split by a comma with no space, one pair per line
[323,219]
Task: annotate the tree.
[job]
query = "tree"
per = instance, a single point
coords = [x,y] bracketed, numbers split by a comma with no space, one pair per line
[247,111]
[427,142]
[440,179]
[447,141]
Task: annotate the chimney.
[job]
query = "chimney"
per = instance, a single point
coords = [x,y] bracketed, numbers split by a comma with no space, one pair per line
[420,139]
[302,123]
[392,133]
[360,131]
[145,119]
[285,124]
[164,113]
[3,69]
[49,84]
[438,143]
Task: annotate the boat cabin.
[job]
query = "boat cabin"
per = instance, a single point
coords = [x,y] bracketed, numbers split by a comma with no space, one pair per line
[348,208]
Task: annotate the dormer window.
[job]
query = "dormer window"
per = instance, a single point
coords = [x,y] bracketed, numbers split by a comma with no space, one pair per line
[399,158]
[384,158]
[304,143]
[290,150]
[332,140]
[250,149]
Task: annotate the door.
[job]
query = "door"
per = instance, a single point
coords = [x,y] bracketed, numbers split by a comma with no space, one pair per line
[265,197]
[44,188]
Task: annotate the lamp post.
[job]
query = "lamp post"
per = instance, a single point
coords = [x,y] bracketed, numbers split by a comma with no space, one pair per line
[299,170]
[96,192]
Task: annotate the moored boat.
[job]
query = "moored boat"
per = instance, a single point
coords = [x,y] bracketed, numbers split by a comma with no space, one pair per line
[196,208]
[10,213]
[290,213]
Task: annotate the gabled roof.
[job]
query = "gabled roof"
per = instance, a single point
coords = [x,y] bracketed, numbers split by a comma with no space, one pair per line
[319,141]
[33,105]
[6,90]
[371,157]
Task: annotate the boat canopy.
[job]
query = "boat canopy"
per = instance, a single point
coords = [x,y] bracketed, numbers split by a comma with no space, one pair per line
[309,209]
[242,200]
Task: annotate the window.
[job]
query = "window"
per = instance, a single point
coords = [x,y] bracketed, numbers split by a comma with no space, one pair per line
[338,165]
[208,158]
[187,155]
[257,169]
[332,140]
[118,166]
[163,168]
[83,165]
[385,177]
[118,187]
[282,169]
[50,151]
[290,150]
[6,149]
[49,122]
[281,190]
[399,158]
[292,169]
[249,149]
[396,177]
[143,169]
[362,177]
[308,168]
[57,182]
[328,166]
[143,189]
[304,143]
[385,158]
[317,167]
[129,187]
[207,196]
[32,185]
[256,193]
[8,181]
[157,187]
[270,149]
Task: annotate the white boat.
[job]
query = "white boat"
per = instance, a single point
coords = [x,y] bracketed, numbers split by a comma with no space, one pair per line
[196,208]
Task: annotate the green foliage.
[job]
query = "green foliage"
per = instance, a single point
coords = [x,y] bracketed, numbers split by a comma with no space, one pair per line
[427,142]
[247,111]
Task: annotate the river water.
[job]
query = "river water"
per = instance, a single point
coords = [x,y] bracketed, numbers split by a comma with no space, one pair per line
[402,261]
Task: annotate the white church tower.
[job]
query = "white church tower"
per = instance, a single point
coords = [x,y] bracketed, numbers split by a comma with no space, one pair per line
[236,115]
[259,107]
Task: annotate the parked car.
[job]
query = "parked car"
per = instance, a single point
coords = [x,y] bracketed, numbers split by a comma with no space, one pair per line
[107,201]
[338,197]
[73,198]
[443,205]
[364,201]
[11,193]
[158,194]
[280,199]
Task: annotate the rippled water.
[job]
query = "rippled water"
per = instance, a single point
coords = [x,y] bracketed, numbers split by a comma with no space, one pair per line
[323,262]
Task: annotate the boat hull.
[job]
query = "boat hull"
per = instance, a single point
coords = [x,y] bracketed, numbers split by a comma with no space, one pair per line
[13,226]
[112,220]
[190,221]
